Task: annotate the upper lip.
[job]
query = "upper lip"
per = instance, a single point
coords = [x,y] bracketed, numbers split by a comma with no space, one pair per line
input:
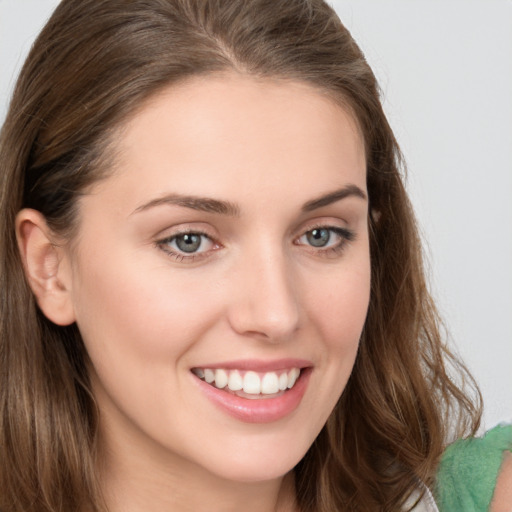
[259,365]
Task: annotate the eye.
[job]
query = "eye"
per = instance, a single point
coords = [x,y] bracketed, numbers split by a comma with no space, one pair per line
[187,245]
[326,238]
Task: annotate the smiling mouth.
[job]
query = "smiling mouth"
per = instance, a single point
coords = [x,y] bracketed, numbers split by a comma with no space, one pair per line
[250,384]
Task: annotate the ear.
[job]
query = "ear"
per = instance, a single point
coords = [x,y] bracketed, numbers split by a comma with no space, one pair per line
[46,266]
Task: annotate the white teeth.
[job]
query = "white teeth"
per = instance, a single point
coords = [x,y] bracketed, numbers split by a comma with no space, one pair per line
[221,379]
[270,384]
[252,383]
[235,382]
[293,374]
[209,376]
[283,381]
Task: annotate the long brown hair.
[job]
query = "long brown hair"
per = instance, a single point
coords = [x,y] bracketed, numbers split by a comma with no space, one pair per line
[93,65]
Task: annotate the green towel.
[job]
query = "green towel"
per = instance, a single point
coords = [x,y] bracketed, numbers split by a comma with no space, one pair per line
[468,471]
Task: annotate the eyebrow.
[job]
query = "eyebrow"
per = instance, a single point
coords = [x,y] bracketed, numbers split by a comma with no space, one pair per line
[209,205]
[332,197]
[203,204]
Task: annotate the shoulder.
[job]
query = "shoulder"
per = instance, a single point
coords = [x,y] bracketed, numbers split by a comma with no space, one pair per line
[473,470]
[502,498]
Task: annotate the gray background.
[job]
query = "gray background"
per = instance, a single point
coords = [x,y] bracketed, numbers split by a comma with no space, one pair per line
[446,72]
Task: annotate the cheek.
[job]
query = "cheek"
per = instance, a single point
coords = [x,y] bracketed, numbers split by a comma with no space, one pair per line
[124,313]
[336,306]
[339,307]
[138,328]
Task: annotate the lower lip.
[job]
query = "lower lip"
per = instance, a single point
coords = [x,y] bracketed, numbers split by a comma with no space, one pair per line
[263,410]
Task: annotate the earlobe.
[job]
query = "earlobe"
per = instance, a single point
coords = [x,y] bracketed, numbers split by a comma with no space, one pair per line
[46,267]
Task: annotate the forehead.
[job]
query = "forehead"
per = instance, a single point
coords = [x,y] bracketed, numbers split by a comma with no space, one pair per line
[252,134]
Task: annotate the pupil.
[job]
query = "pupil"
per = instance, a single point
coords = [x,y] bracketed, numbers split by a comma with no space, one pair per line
[188,243]
[318,237]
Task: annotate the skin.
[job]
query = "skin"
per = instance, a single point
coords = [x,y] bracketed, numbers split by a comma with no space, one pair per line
[257,289]
[502,499]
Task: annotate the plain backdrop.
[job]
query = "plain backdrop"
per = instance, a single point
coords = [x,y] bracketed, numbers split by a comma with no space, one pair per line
[445,68]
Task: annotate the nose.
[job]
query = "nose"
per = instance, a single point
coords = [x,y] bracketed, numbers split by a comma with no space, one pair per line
[264,303]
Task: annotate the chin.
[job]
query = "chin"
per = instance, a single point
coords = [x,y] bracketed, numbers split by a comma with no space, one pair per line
[254,473]
[256,463]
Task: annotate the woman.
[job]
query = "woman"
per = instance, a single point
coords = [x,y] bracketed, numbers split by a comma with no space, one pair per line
[212,289]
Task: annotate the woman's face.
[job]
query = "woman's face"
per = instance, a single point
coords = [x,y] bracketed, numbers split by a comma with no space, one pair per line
[230,243]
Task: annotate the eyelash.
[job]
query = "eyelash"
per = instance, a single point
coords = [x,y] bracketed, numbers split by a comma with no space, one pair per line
[346,236]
